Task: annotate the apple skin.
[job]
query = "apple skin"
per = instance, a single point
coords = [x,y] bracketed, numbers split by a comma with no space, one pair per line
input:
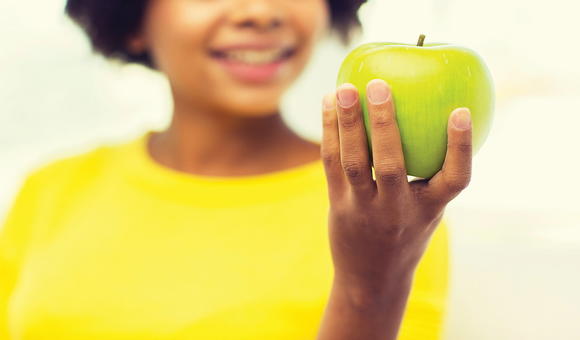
[427,83]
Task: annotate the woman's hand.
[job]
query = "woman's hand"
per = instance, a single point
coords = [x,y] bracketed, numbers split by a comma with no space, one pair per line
[379,229]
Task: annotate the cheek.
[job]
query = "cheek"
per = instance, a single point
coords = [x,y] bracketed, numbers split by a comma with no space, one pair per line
[177,31]
[311,18]
[311,21]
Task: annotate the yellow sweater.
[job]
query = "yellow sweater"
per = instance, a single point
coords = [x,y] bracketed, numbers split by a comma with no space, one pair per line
[111,245]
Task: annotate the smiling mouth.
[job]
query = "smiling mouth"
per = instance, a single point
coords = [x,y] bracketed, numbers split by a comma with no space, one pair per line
[254,56]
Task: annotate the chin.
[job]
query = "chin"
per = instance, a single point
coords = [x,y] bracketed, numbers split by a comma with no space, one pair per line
[253,102]
[253,109]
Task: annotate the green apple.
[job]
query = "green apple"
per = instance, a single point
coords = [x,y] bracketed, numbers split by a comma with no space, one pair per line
[428,82]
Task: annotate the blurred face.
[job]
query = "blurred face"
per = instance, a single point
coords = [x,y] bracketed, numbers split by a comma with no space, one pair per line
[232,56]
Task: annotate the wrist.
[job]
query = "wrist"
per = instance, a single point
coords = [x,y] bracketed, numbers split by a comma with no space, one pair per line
[375,291]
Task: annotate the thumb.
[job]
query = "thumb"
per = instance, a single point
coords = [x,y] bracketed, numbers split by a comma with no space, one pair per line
[456,172]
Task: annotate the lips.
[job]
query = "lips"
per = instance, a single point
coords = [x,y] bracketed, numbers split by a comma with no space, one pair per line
[252,63]
[254,56]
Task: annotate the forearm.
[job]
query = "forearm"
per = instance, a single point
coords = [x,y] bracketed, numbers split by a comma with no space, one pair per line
[366,312]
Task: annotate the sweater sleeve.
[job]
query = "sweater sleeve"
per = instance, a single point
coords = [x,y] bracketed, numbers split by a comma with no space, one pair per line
[14,236]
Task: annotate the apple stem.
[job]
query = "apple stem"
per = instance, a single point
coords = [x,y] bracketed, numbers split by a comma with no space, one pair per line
[421,40]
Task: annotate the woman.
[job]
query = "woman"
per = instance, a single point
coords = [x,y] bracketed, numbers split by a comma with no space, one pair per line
[227,225]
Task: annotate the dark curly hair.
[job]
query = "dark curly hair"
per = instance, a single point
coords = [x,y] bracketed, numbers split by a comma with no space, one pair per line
[109,23]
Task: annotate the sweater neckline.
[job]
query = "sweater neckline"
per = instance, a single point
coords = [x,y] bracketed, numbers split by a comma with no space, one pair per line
[226,190]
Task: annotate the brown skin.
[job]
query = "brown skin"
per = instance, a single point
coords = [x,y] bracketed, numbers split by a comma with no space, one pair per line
[378,229]
[220,126]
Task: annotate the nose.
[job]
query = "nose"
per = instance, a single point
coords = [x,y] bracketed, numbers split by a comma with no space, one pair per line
[263,15]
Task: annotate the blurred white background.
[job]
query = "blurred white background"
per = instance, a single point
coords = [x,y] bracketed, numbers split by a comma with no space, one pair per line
[515,232]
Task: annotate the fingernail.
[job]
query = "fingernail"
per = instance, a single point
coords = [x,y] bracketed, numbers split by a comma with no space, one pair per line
[347,95]
[378,91]
[462,119]
[328,102]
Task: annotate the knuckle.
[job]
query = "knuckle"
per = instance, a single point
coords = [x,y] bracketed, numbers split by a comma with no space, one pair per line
[382,121]
[329,159]
[390,174]
[349,120]
[390,178]
[339,211]
[328,122]
[352,169]
[328,119]
[461,147]
[420,188]
[458,182]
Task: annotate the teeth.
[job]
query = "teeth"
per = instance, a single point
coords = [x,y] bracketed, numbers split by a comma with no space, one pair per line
[255,57]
